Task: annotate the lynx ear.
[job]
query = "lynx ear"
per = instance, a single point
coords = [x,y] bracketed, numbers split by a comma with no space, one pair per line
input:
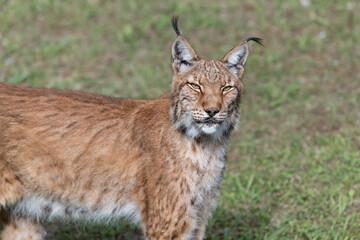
[235,59]
[183,56]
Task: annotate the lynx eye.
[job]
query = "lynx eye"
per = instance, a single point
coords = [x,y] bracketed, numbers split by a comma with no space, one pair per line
[194,86]
[227,88]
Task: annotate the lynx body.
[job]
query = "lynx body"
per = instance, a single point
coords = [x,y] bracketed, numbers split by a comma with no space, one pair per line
[75,155]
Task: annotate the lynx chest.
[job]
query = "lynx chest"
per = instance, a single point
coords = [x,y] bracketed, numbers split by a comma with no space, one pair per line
[207,166]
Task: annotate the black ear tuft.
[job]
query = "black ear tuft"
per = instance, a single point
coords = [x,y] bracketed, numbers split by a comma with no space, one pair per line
[255,39]
[174,22]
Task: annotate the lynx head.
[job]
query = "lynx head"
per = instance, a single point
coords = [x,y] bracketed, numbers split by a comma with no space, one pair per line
[206,92]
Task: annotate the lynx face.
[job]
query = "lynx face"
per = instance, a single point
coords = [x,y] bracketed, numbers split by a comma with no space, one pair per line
[206,93]
[209,96]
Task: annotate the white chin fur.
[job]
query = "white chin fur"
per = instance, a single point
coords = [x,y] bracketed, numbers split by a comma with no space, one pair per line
[209,128]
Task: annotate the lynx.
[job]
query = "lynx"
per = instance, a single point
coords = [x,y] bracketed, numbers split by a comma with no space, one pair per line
[73,155]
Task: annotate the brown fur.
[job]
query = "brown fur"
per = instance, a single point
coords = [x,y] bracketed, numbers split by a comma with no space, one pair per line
[75,155]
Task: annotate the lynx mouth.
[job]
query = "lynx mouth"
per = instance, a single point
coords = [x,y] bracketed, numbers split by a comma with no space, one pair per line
[209,125]
[208,121]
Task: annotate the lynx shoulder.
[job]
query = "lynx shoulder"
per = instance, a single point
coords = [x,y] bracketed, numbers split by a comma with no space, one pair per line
[74,155]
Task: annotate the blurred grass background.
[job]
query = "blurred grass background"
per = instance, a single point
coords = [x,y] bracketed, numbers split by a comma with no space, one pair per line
[293,167]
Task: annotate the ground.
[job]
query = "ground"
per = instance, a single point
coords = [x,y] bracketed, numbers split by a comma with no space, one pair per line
[294,164]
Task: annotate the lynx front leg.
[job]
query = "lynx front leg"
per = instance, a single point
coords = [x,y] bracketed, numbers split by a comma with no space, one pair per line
[170,224]
[205,210]
[168,214]
[22,229]
[203,218]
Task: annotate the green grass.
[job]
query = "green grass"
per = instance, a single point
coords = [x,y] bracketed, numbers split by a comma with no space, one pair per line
[294,165]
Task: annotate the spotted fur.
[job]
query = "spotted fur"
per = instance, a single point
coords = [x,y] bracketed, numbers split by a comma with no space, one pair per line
[74,155]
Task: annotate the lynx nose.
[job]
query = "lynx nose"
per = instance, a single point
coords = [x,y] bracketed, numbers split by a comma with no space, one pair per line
[212,111]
